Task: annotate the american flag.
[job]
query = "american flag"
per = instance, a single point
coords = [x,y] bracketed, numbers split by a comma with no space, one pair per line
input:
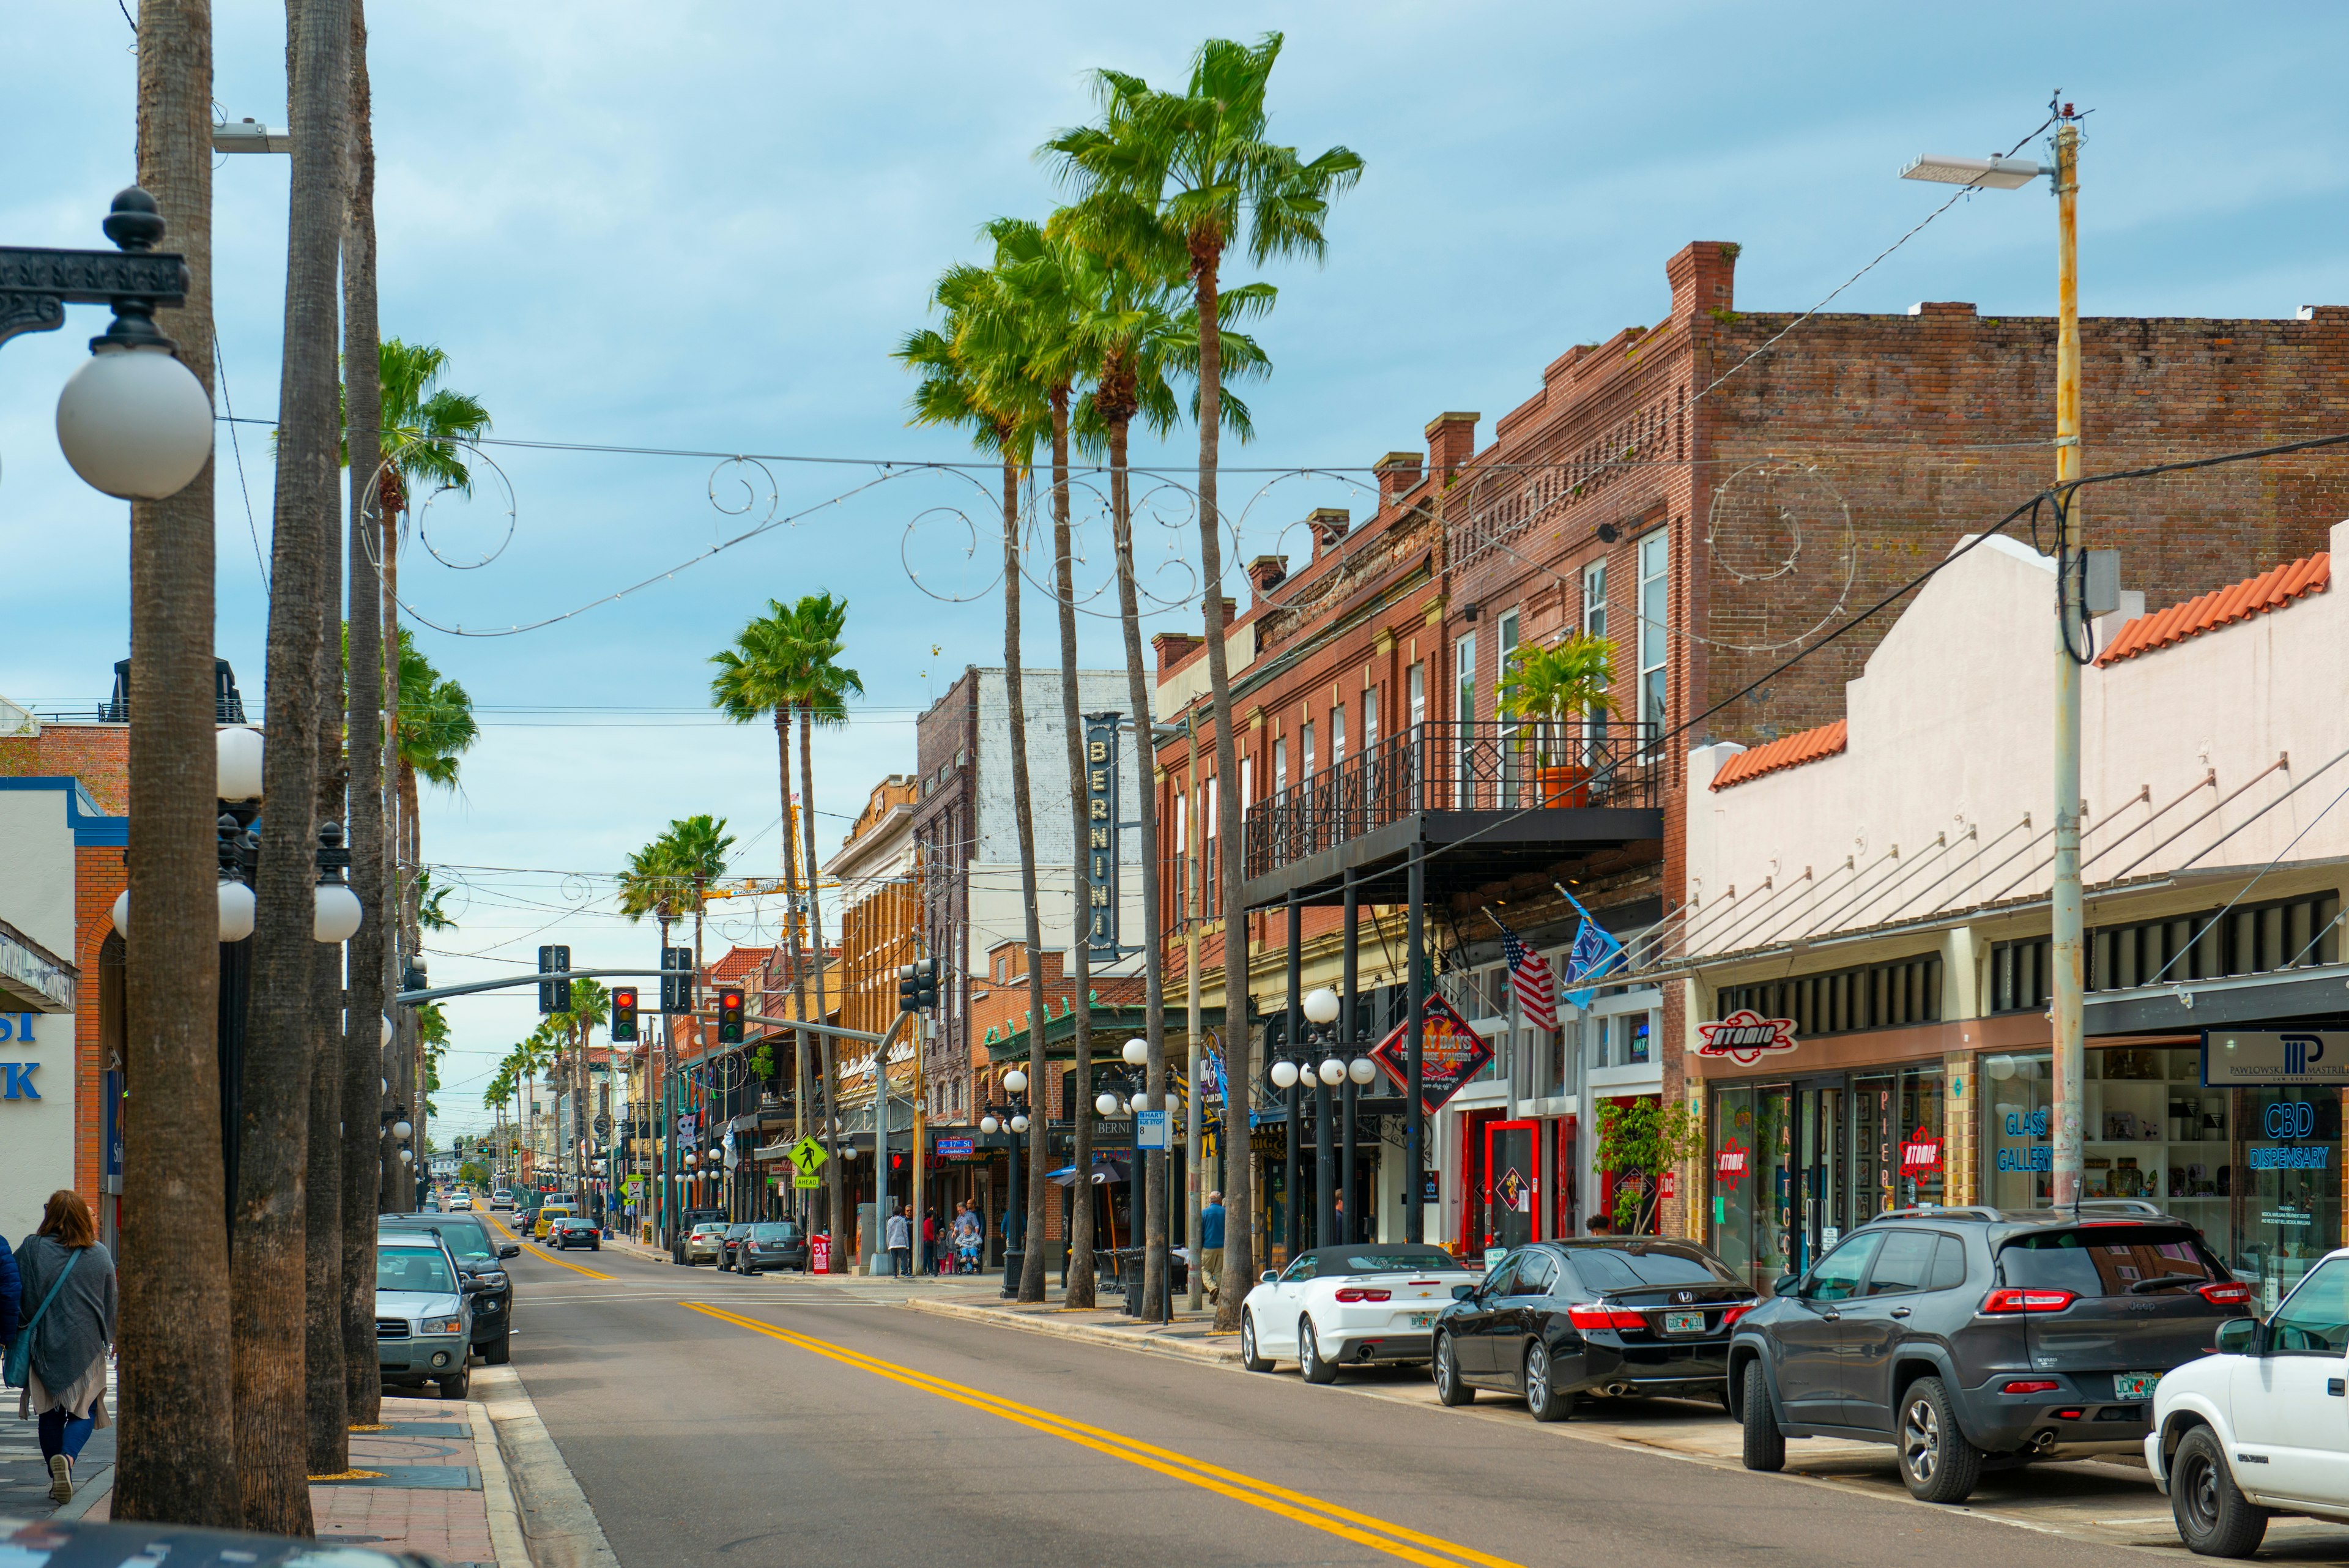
[1530,973]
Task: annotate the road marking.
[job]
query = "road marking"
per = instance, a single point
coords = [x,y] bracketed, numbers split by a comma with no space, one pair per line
[1360,1528]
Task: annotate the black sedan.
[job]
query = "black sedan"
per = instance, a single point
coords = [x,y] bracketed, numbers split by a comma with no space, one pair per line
[571,1230]
[1559,1321]
[771,1244]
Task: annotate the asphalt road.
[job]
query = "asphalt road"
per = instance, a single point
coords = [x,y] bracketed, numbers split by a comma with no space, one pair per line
[715,1419]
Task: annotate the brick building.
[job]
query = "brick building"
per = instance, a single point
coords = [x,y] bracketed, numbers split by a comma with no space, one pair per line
[1713,498]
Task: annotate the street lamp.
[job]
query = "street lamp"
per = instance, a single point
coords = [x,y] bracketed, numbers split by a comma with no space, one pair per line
[2068,915]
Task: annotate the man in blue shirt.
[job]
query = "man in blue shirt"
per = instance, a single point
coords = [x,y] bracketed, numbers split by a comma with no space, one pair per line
[1211,1243]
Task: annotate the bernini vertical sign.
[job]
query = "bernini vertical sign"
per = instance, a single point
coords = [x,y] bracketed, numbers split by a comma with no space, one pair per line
[1100,847]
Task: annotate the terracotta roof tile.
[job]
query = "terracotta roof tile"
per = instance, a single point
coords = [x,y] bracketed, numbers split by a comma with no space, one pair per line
[2224,606]
[1790,752]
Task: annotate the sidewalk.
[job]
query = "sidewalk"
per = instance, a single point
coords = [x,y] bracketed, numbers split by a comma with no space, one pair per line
[473,1483]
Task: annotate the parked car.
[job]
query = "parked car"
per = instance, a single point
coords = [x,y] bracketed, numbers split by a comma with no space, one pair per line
[772,1244]
[423,1314]
[502,1199]
[65,1542]
[706,1242]
[730,1243]
[1968,1338]
[1375,1303]
[480,1258]
[575,1230]
[548,1213]
[2260,1428]
[1560,1321]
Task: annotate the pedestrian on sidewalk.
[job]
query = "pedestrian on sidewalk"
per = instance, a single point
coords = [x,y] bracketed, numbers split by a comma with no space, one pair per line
[67,1283]
[898,1236]
[1211,1243]
[930,1242]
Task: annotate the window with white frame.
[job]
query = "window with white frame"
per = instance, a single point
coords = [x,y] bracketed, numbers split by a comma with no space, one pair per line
[1509,760]
[1336,734]
[1417,691]
[1594,599]
[1280,766]
[1305,769]
[1655,555]
[1464,711]
[1370,720]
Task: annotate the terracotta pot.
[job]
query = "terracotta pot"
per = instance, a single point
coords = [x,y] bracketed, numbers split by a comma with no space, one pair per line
[1564,785]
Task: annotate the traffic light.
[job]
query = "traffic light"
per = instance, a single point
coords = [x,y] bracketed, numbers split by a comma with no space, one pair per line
[555,996]
[677,988]
[624,1013]
[729,1016]
[917,985]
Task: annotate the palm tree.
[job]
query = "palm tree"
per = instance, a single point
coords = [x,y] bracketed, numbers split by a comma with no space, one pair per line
[1190,174]
[651,885]
[590,1008]
[975,381]
[175,1312]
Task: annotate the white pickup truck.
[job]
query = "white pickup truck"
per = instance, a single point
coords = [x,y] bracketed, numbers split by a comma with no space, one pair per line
[2260,1427]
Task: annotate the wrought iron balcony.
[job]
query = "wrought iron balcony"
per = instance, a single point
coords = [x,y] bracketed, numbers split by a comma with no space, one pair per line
[1458,770]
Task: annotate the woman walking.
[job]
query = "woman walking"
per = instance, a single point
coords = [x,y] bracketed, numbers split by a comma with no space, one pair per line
[66,1299]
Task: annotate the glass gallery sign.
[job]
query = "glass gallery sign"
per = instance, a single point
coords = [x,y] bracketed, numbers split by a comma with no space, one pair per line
[1745,1037]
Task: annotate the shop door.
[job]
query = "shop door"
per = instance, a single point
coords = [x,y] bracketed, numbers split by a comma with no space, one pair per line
[1512,1181]
[1823,1201]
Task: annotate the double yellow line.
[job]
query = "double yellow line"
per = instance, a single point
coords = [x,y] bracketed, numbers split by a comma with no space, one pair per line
[1411,1545]
[548,1254]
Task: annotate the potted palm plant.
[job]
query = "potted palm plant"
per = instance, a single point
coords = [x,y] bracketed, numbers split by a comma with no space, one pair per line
[1549,687]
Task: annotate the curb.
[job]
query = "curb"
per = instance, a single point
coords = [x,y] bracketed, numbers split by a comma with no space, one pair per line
[556,1527]
[1088,1334]
[506,1537]
[87,1495]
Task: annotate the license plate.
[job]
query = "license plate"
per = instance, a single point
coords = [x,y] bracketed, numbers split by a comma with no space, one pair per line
[1422,1320]
[2135,1385]
[1684,1323]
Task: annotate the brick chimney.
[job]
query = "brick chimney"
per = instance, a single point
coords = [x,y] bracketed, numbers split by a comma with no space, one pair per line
[1397,471]
[1329,524]
[1704,277]
[1451,442]
[1174,646]
[1268,572]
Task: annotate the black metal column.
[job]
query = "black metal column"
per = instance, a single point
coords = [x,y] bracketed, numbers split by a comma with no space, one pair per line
[1292,1032]
[1350,1213]
[1414,1137]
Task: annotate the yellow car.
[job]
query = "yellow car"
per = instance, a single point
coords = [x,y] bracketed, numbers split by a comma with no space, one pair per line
[547,1214]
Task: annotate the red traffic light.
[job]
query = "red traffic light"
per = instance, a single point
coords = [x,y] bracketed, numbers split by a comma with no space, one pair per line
[729,1016]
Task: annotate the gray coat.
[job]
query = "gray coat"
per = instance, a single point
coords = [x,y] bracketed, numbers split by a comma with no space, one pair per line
[79,1324]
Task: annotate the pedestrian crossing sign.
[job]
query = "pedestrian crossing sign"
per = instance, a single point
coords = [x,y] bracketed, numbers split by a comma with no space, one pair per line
[807,1157]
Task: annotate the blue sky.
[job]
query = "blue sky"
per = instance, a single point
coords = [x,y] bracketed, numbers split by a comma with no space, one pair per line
[704,226]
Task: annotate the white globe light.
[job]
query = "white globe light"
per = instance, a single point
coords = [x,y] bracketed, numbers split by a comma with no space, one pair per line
[1333,1071]
[990,1125]
[1362,1069]
[1014,1081]
[235,912]
[386,1037]
[1136,1052]
[1283,1075]
[1106,1104]
[338,913]
[120,914]
[693,1159]
[135,423]
[402,1129]
[1174,1103]
[1138,1104]
[1322,1005]
[1019,1124]
[849,1152]
[239,753]
[406,1158]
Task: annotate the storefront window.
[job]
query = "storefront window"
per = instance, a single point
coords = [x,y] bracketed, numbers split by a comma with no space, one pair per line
[2286,1206]
[2018,1127]
[1897,1144]
[1753,1180]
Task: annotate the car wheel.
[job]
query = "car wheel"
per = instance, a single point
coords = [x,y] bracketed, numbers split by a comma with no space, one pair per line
[1315,1366]
[1542,1397]
[749,1271]
[498,1351]
[596,1246]
[2214,1519]
[456,1387]
[1938,1462]
[1249,1356]
[1449,1388]
[1766,1445]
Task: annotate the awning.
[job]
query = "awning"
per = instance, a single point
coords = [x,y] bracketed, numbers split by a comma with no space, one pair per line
[32,977]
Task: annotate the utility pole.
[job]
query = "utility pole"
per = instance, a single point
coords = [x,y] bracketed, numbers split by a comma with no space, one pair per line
[2069,907]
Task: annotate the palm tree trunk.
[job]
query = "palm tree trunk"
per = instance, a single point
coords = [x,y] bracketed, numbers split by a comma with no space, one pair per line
[816,959]
[1080,1291]
[1156,1258]
[1239,1199]
[1040,1085]
[363,1045]
[267,1250]
[175,1312]
[792,931]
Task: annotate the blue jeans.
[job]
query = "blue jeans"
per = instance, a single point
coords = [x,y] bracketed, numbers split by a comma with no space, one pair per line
[61,1434]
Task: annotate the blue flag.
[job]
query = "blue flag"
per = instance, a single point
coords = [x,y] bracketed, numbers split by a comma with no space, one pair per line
[1595,951]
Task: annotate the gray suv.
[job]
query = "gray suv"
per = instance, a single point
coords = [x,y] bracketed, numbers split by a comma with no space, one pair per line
[1974,1337]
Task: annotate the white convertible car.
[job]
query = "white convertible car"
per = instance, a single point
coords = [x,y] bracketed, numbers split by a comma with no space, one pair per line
[2261,1427]
[1374,1303]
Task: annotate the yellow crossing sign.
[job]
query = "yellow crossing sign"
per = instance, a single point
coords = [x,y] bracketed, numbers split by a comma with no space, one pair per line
[808,1157]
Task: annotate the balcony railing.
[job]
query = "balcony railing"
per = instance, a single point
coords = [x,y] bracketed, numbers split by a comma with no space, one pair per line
[1452,766]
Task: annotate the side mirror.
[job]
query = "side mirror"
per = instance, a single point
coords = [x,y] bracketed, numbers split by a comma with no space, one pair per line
[1269,1277]
[471,1284]
[1463,1292]
[2237,1337]
[509,1249]
[1787,1285]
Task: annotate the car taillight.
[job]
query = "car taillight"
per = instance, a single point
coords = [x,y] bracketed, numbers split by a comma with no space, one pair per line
[2031,1385]
[2005,1301]
[2231,1293]
[1358,1293]
[1604,1317]
[1730,1315]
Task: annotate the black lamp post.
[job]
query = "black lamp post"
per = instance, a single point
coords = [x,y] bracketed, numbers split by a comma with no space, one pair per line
[1011,1116]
